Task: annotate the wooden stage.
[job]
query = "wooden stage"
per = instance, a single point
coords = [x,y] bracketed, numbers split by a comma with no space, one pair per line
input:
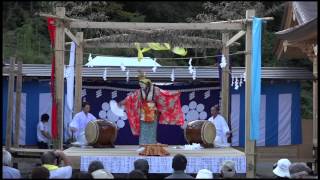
[121,154]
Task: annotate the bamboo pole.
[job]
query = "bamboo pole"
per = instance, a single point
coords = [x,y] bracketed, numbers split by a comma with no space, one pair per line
[249,145]
[18,104]
[59,73]
[78,83]
[10,104]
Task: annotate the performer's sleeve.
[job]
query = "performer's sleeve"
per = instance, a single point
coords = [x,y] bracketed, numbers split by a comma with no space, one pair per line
[93,117]
[169,107]
[75,123]
[131,104]
[224,125]
[41,127]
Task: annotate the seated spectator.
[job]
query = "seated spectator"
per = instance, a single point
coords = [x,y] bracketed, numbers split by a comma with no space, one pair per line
[282,169]
[96,169]
[136,174]
[142,165]
[7,171]
[299,171]
[204,174]
[179,164]
[82,175]
[40,173]
[43,135]
[50,161]
[228,169]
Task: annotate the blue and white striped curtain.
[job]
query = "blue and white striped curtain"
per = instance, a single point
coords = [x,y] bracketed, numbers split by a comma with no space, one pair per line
[280,121]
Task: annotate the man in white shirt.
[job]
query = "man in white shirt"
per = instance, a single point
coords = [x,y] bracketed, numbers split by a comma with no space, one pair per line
[7,171]
[43,135]
[222,128]
[50,161]
[80,121]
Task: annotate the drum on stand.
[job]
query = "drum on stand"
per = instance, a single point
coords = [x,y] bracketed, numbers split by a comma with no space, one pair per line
[200,131]
[101,133]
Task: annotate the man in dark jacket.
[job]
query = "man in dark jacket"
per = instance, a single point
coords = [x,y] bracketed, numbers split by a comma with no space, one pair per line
[179,164]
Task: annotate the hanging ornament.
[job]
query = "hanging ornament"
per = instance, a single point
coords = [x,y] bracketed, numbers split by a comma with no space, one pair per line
[232,81]
[123,68]
[241,81]
[223,62]
[236,84]
[236,87]
[244,76]
[104,76]
[194,74]
[172,75]
[154,69]
[127,75]
[90,59]
[190,66]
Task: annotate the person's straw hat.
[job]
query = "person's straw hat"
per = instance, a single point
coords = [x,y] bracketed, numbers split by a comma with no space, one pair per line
[282,169]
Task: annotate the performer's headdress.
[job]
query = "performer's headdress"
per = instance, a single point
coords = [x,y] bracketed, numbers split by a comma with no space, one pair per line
[142,78]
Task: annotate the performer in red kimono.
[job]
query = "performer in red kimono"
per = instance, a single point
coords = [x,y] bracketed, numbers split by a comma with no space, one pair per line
[149,104]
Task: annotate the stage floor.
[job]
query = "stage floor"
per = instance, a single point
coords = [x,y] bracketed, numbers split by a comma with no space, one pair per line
[120,159]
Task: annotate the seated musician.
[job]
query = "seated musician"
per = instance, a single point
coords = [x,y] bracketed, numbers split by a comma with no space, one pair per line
[80,121]
[222,128]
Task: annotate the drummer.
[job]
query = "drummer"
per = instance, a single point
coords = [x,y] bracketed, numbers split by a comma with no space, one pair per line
[80,120]
[222,128]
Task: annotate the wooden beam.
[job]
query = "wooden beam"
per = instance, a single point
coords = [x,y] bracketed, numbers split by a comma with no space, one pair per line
[10,105]
[315,112]
[168,26]
[59,73]
[249,145]
[220,25]
[64,18]
[78,75]
[18,104]
[71,36]
[225,80]
[235,37]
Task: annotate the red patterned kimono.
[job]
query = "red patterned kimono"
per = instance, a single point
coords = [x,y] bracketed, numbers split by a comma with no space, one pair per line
[168,107]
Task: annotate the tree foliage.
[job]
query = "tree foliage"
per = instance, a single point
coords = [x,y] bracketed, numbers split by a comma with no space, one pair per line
[26,35]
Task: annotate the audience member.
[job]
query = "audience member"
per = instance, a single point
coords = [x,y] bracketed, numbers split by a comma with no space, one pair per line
[142,165]
[299,171]
[179,164]
[282,169]
[40,173]
[50,161]
[7,171]
[136,174]
[204,174]
[228,169]
[96,169]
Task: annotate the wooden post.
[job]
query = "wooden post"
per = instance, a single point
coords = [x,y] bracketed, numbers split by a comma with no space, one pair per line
[315,112]
[225,79]
[78,83]
[18,104]
[59,73]
[10,104]
[249,145]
